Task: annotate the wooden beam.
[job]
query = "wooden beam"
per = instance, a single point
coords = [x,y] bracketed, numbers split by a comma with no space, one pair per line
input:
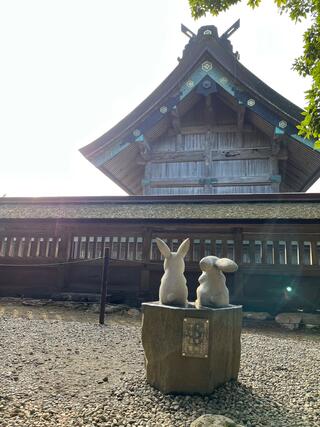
[143,157]
[144,150]
[278,134]
[241,153]
[235,154]
[185,182]
[145,143]
[187,130]
[240,116]
[175,120]
[245,180]
[141,162]
[209,110]
[275,147]
[183,156]
[215,182]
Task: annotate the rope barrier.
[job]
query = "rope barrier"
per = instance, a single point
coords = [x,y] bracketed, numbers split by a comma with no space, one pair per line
[54,264]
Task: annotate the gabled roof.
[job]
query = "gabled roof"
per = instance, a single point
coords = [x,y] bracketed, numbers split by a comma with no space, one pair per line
[206,56]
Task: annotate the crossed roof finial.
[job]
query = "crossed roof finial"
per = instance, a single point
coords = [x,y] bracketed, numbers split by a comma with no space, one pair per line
[212,31]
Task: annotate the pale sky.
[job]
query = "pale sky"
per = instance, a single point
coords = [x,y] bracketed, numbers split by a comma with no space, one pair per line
[71,69]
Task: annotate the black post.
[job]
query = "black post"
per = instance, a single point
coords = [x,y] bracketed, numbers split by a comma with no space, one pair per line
[104,285]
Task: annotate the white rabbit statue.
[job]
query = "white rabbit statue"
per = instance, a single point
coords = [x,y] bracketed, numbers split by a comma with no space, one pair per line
[173,289]
[213,291]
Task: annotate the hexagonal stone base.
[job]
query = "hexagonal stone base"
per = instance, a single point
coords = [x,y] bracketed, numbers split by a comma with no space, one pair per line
[189,350]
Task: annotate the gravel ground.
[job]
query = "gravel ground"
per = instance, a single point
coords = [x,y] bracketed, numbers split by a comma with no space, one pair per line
[76,373]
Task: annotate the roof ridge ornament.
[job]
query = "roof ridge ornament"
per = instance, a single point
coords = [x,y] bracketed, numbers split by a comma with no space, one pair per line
[187,32]
[209,33]
[211,30]
[231,30]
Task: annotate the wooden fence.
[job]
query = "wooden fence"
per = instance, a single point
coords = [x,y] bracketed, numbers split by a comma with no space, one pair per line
[43,259]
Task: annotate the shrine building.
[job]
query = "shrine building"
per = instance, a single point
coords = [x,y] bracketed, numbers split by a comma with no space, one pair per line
[212,154]
[211,127]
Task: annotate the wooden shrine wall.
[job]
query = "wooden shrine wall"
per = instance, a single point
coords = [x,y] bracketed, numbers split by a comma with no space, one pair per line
[218,161]
[43,259]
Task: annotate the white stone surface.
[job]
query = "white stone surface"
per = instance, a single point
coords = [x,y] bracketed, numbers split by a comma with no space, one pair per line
[213,291]
[209,420]
[257,315]
[133,312]
[173,289]
[289,320]
[311,319]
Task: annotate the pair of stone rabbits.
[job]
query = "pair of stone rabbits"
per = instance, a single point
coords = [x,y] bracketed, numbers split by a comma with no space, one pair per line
[212,291]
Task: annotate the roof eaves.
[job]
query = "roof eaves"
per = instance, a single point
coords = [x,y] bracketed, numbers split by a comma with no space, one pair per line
[121,128]
[230,67]
[212,199]
[115,180]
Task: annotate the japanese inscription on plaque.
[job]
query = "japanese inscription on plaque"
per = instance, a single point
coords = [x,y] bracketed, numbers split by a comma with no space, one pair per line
[195,337]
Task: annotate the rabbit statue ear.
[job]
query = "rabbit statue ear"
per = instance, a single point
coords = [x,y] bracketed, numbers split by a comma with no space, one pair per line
[208,262]
[183,248]
[163,248]
[226,265]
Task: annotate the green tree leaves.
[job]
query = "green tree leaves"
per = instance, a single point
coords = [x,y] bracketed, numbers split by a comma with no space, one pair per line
[308,64]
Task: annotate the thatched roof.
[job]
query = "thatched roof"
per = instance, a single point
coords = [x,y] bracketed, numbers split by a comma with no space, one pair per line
[242,207]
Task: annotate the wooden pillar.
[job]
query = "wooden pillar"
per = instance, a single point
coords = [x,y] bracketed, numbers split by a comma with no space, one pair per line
[251,251]
[238,245]
[202,248]
[6,245]
[179,142]
[274,165]
[264,252]
[94,250]
[64,233]
[86,247]
[314,251]
[238,294]
[147,179]
[276,252]
[289,252]
[241,111]
[207,166]
[224,247]
[301,250]
[209,113]
[145,271]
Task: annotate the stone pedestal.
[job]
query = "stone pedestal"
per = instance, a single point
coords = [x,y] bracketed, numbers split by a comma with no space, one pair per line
[189,350]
